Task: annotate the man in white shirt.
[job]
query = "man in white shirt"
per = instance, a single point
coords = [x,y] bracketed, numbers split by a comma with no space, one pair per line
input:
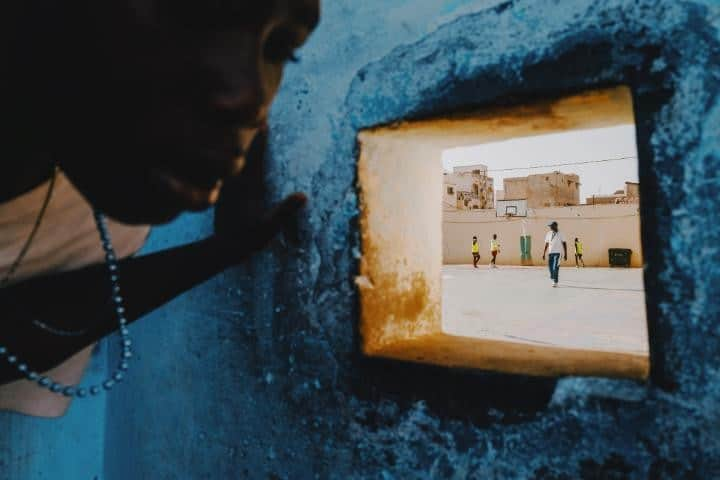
[494,250]
[555,242]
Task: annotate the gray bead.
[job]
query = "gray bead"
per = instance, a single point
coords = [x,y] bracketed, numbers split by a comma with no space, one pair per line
[44,381]
[69,391]
[127,354]
[56,388]
[120,310]
[32,376]
[118,377]
[22,367]
[117,299]
[94,390]
[123,366]
[108,384]
[122,321]
[3,350]
[81,393]
[12,359]
[124,332]
[127,342]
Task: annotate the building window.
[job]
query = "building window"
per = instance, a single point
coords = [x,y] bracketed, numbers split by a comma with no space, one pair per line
[450,190]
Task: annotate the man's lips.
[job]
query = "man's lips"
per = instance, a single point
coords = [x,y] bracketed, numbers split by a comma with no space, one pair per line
[202,193]
[192,197]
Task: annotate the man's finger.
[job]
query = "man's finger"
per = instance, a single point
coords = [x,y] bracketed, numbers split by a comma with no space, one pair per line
[284,213]
[257,236]
[274,221]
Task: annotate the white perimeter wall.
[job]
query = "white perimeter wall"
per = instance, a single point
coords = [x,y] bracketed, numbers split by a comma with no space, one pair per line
[600,227]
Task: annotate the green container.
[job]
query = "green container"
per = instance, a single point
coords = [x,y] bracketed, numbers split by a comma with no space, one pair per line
[525,250]
[619,257]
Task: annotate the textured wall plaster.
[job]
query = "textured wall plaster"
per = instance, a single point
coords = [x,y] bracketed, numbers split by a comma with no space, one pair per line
[257,373]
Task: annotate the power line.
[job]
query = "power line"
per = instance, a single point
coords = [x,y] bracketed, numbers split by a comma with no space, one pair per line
[513,219]
[531,167]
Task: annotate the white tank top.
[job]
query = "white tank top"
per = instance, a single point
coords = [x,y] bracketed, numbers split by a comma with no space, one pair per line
[66,239]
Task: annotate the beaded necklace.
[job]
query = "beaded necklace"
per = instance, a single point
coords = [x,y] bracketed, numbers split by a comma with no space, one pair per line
[112,268]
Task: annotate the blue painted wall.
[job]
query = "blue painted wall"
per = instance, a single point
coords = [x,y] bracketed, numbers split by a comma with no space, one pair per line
[256,373]
[72,447]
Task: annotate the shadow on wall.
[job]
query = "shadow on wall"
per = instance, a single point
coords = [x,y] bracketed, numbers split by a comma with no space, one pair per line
[480,397]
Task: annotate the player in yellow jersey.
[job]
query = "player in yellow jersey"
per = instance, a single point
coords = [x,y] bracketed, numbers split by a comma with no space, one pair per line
[579,254]
[475,252]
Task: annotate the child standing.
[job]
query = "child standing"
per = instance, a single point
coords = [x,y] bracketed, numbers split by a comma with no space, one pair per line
[579,254]
[475,252]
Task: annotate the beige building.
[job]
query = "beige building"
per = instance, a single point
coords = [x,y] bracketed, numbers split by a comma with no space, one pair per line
[554,189]
[468,188]
[632,190]
[600,227]
[630,195]
[515,188]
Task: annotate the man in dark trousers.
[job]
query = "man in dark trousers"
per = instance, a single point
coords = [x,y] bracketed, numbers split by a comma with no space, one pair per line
[494,250]
[555,243]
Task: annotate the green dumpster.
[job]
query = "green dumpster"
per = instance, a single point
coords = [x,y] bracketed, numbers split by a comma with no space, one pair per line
[525,249]
[619,257]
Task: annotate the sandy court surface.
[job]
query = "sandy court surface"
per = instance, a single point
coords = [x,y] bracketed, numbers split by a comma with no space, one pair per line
[593,308]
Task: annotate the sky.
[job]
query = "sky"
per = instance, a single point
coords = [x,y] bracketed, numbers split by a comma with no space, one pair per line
[566,147]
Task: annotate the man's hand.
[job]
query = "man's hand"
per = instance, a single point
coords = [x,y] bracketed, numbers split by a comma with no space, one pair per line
[243,222]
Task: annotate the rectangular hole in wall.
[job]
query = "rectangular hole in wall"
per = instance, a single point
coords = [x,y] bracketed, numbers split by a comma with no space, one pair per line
[428,187]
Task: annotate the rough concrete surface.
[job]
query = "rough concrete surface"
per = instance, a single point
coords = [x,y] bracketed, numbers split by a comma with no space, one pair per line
[257,373]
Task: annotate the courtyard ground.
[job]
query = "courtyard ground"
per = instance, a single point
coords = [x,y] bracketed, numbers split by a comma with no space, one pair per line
[592,308]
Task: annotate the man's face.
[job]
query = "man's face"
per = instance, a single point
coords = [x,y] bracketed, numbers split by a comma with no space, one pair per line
[171,94]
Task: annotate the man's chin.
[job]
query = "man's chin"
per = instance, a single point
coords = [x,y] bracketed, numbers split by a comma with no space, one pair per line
[139,216]
[140,204]
[141,219]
